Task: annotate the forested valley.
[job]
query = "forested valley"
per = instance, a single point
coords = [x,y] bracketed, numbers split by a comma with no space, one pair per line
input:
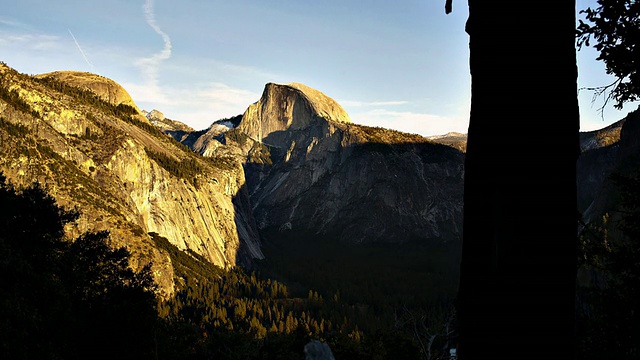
[80,299]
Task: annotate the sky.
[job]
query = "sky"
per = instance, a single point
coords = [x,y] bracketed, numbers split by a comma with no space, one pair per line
[402,65]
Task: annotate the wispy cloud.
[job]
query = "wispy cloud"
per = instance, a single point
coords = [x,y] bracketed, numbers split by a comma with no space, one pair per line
[13,32]
[412,122]
[200,107]
[84,56]
[30,41]
[196,105]
[352,103]
[151,64]
[10,23]
[224,95]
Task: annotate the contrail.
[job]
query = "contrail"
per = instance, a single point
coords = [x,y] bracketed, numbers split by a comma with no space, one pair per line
[150,65]
[82,52]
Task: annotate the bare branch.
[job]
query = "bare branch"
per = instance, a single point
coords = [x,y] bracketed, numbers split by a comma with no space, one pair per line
[598,91]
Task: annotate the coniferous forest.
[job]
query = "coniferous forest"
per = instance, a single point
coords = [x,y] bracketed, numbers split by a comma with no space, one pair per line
[62,299]
[67,299]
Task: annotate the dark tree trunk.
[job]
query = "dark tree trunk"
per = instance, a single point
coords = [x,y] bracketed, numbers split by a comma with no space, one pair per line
[517,283]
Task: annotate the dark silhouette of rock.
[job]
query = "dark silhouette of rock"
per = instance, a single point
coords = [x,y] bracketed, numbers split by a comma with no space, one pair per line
[317,350]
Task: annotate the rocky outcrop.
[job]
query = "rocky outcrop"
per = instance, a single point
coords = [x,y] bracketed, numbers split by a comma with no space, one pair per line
[345,187]
[317,350]
[454,139]
[311,171]
[199,214]
[157,118]
[125,176]
[613,149]
[153,115]
[107,89]
[286,108]
[606,136]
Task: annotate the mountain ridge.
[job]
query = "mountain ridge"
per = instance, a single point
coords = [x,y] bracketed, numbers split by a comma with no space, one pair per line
[291,164]
[107,89]
[309,171]
[124,174]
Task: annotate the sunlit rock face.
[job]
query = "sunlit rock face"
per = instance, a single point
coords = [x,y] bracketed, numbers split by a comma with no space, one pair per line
[107,89]
[606,136]
[157,118]
[154,115]
[123,177]
[325,176]
[454,139]
[202,216]
[289,108]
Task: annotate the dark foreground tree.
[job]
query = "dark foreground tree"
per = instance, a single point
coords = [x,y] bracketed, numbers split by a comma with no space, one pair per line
[608,318]
[62,299]
[517,282]
[32,297]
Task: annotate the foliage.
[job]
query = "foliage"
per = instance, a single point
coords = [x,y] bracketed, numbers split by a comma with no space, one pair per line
[221,162]
[13,129]
[12,98]
[122,111]
[403,275]
[150,128]
[187,169]
[259,154]
[237,136]
[86,97]
[615,27]
[608,321]
[67,300]
[234,314]
[81,299]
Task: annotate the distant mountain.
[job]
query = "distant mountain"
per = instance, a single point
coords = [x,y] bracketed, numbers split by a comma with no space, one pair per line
[310,170]
[600,138]
[614,149]
[368,212]
[293,166]
[157,118]
[454,139]
[106,89]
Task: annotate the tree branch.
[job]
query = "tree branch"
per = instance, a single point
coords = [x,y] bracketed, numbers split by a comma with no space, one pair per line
[598,91]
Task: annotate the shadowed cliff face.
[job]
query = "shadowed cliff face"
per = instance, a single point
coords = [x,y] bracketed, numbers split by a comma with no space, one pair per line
[310,170]
[612,150]
[398,195]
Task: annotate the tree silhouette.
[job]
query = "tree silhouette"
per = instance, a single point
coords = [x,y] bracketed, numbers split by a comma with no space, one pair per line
[608,318]
[614,27]
[517,283]
[62,299]
[32,296]
[114,304]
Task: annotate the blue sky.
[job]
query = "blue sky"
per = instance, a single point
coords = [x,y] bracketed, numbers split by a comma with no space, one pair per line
[395,64]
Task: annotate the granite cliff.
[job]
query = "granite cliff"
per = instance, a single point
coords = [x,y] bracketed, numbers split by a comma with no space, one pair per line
[92,149]
[292,166]
[614,149]
[310,170]
[105,88]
